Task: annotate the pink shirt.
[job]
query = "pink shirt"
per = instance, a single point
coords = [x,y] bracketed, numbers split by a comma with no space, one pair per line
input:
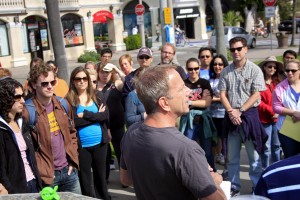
[23,147]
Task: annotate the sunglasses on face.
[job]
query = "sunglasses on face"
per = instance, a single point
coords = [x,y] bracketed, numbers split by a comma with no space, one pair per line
[45,84]
[79,79]
[272,66]
[220,64]
[144,57]
[193,69]
[291,70]
[234,49]
[206,56]
[18,97]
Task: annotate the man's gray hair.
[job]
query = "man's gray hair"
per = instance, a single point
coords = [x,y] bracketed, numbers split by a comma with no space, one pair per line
[152,84]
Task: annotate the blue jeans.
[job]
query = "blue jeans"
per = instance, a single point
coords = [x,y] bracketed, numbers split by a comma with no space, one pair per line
[197,134]
[234,143]
[65,182]
[272,145]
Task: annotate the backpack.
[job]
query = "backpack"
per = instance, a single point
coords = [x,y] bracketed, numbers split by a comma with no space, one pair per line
[32,111]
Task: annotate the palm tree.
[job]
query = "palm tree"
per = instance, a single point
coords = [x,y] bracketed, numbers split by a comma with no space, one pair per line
[221,48]
[232,18]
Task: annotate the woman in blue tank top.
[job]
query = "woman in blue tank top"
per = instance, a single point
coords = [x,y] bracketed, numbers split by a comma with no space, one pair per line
[91,118]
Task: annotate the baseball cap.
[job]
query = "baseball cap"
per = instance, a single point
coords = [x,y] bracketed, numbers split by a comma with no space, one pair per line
[108,67]
[145,51]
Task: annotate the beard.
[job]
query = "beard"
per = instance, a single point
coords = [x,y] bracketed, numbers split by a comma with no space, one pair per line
[166,61]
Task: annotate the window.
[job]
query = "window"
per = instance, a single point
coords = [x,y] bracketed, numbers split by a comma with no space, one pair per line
[4,47]
[72,29]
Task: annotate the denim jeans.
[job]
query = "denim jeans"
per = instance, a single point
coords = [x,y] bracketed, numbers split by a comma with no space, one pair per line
[272,145]
[234,143]
[65,182]
[197,134]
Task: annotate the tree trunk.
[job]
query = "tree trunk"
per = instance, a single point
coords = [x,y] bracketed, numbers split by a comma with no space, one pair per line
[57,38]
[250,17]
[219,28]
[294,23]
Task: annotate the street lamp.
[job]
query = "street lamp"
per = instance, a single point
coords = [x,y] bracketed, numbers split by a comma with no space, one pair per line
[111,8]
[89,14]
[16,19]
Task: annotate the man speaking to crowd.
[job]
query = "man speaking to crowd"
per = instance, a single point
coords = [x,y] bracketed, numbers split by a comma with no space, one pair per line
[157,159]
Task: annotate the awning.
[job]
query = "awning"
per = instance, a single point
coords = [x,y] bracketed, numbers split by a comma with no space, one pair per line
[192,12]
[101,16]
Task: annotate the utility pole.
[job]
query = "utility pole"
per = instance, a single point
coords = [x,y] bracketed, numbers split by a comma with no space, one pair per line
[142,29]
[57,38]
[163,4]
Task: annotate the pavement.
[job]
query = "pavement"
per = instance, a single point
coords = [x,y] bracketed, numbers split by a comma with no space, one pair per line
[259,53]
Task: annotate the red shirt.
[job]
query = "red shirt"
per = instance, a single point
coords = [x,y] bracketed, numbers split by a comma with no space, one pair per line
[265,108]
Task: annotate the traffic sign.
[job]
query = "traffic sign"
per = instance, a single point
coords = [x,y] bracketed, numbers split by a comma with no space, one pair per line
[269,11]
[140,19]
[139,9]
[167,16]
[269,2]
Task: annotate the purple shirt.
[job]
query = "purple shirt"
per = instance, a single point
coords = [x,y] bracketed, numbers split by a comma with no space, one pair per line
[57,141]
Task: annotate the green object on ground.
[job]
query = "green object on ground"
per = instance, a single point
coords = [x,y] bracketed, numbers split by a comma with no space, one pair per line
[48,193]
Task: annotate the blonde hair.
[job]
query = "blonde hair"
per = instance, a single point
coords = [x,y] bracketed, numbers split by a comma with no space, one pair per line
[92,72]
[294,61]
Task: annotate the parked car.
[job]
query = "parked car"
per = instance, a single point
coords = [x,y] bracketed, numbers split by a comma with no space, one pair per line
[231,32]
[287,25]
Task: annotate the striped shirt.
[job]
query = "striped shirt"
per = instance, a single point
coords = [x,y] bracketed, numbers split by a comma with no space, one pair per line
[281,181]
[241,83]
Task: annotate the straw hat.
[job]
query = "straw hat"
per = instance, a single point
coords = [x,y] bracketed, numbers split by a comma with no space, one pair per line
[271,59]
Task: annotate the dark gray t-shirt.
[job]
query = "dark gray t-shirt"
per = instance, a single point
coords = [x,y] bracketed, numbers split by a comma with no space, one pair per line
[164,164]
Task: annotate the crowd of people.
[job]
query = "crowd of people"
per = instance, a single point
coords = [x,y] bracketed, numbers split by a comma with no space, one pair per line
[52,133]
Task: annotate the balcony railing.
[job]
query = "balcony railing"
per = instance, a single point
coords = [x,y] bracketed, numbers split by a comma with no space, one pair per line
[68,5]
[12,6]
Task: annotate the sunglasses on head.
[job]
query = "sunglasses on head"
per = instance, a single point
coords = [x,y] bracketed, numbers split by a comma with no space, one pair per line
[46,84]
[144,57]
[238,49]
[291,70]
[205,56]
[79,79]
[18,97]
[193,69]
[220,64]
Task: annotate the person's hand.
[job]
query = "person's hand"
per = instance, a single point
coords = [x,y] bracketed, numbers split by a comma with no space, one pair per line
[235,116]
[216,177]
[80,115]
[71,168]
[296,116]
[101,108]
[3,189]
[109,135]
[275,116]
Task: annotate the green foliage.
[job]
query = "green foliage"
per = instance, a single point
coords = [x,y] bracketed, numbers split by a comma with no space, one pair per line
[285,9]
[231,18]
[88,56]
[103,38]
[133,42]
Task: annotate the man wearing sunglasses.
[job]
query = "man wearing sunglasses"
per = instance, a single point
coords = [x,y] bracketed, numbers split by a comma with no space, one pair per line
[144,58]
[240,86]
[205,56]
[53,133]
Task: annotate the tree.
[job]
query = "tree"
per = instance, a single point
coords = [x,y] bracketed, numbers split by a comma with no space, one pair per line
[232,18]
[57,38]
[221,48]
[294,23]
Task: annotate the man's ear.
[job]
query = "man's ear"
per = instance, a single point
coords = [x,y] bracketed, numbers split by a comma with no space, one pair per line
[33,85]
[164,104]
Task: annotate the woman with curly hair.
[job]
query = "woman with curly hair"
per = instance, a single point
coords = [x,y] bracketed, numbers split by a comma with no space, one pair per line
[18,168]
[91,118]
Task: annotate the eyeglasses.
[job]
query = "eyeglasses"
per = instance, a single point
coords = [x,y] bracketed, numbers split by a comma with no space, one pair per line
[220,64]
[18,97]
[291,70]
[206,56]
[272,66]
[166,52]
[144,57]
[46,84]
[238,49]
[289,57]
[79,79]
[95,82]
[193,69]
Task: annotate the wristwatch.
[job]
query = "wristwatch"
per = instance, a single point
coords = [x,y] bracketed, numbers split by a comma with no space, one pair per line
[242,109]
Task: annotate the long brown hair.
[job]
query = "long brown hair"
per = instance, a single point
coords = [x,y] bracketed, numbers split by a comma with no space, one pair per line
[72,95]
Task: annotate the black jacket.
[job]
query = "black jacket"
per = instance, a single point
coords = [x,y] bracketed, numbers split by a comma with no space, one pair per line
[12,170]
[91,117]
